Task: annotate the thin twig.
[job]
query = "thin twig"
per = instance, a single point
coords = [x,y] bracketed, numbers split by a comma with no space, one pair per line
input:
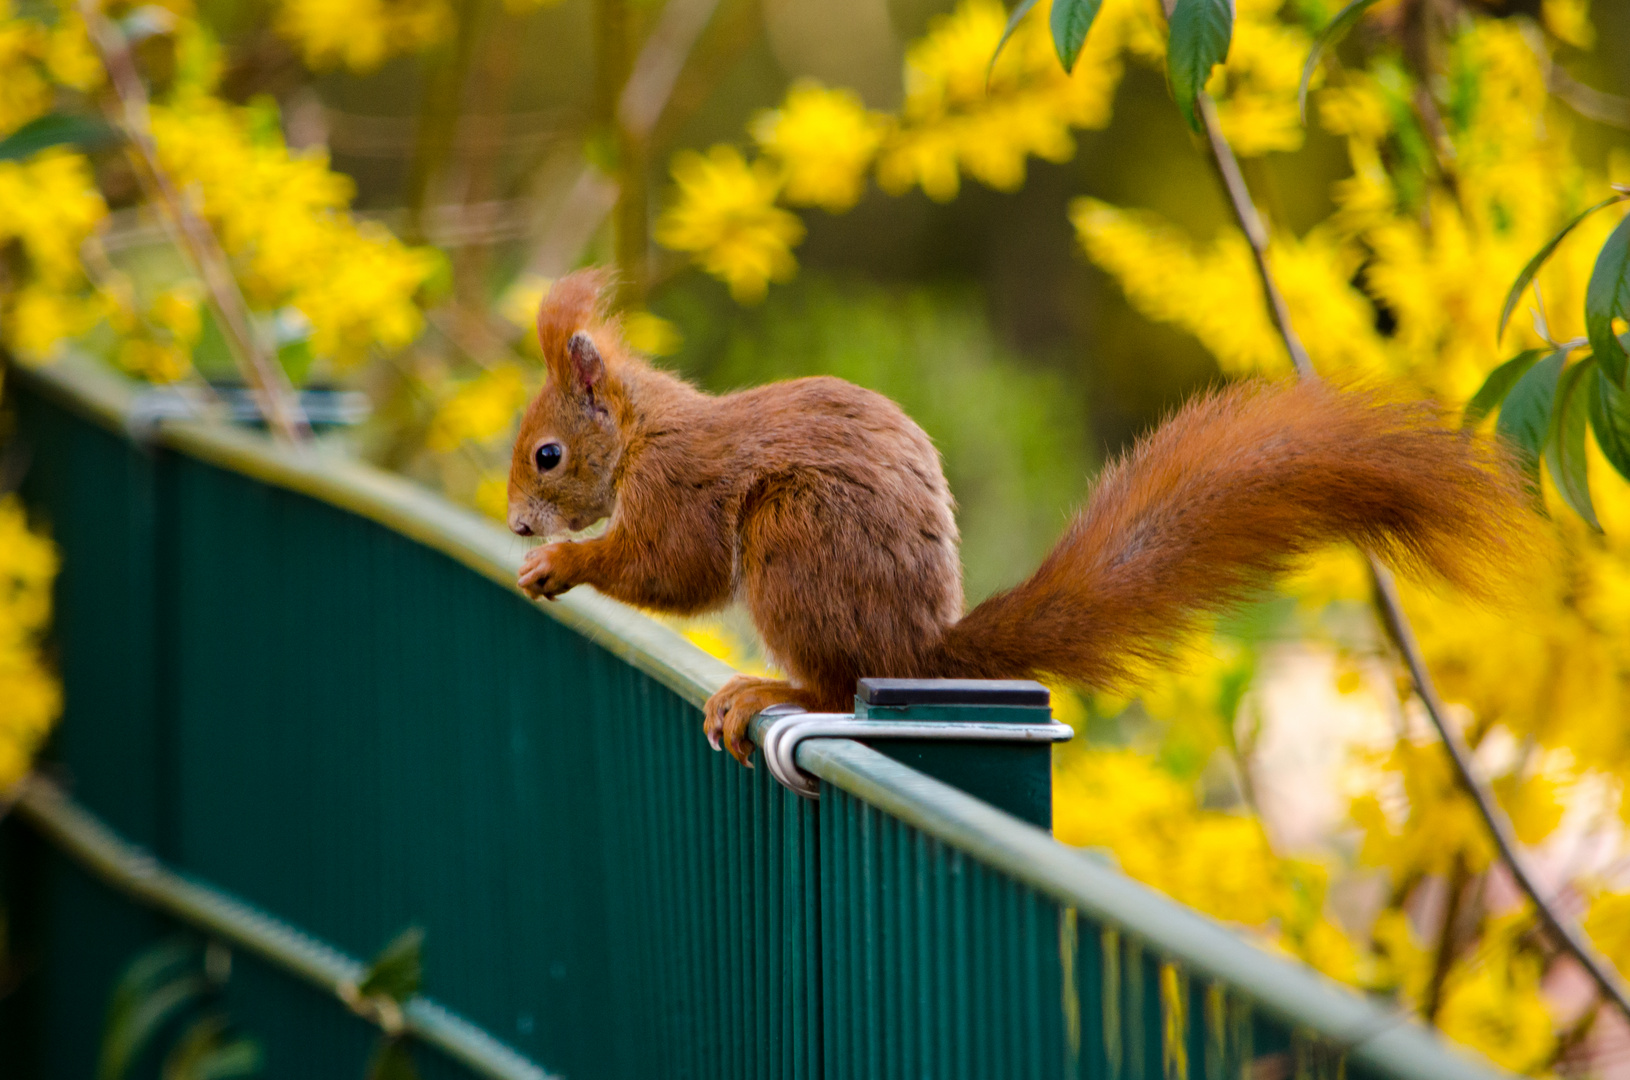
[1458,885]
[1222,156]
[1387,601]
[642,106]
[1587,101]
[660,61]
[266,379]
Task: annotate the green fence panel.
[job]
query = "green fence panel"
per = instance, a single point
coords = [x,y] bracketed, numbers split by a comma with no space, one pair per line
[311,686]
[357,733]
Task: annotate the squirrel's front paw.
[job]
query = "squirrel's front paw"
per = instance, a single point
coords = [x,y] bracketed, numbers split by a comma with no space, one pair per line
[545,571]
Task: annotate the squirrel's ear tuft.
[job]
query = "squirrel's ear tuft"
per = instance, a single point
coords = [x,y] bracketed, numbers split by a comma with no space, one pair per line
[588,370]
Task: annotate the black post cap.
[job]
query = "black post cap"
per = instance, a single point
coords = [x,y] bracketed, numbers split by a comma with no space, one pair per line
[953,692]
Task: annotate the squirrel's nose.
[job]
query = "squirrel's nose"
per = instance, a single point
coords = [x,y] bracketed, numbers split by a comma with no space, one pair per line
[519,527]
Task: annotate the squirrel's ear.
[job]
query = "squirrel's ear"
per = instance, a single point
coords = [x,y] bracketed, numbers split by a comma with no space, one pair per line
[587,369]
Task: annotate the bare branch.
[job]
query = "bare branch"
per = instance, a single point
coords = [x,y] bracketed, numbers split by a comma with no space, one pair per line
[660,61]
[1388,603]
[1587,101]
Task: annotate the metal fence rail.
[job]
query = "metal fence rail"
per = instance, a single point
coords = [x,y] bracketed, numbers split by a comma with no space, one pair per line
[313,686]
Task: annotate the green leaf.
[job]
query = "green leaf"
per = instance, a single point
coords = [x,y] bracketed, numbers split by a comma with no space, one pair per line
[1525,419]
[204,1052]
[1013,21]
[1525,278]
[1608,297]
[1071,19]
[1610,419]
[1200,33]
[1498,385]
[1565,441]
[57,129]
[398,969]
[1334,31]
[128,1032]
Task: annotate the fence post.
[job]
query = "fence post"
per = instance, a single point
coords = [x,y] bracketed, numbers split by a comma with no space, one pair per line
[1016,777]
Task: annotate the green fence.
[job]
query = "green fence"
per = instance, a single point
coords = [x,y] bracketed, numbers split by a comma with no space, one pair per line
[310,690]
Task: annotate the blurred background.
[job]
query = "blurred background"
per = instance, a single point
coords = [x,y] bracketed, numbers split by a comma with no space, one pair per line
[1036,265]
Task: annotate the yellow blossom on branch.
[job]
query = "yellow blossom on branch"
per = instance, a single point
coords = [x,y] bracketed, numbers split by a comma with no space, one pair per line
[725,215]
[25,92]
[1222,305]
[825,141]
[651,334]
[283,218]
[49,206]
[362,34]
[1256,89]
[480,411]
[1499,1007]
[30,698]
[961,114]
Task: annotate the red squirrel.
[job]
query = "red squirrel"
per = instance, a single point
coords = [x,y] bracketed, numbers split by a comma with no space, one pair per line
[823,507]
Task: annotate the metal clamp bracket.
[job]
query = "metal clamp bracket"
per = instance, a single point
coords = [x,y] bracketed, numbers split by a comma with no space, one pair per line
[785,728]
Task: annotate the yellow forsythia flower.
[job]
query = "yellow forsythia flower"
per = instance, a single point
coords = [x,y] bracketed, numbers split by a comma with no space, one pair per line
[24,91]
[283,218]
[1221,863]
[481,410]
[962,114]
[1225,312]
[41,318]
[155,361]
[725,216]
[362,34]
[1498,1006]
[719,641]
[492,496]
[519,303]
[30,698]
[1569,20]
[50,203]
[1608,923]
[825,141]
[1256,89]
[651,334]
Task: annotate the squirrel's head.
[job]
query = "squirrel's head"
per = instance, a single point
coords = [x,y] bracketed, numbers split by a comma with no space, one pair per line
[560,476]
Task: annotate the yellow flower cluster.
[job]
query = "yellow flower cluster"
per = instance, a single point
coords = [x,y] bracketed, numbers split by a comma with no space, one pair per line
[282,217]
[1432,825]
[1256,89]
[158,348]
[30,697]
[481,410]
[824,141]
[1228,314]
[1219,862]
[362,34]
[726,217]
[49,206]
[34,56]
[962,115]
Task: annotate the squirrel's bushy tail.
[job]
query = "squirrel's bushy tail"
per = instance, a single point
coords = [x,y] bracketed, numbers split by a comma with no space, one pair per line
[1223,495]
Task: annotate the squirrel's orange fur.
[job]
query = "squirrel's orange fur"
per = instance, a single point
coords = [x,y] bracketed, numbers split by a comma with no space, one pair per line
[824,508]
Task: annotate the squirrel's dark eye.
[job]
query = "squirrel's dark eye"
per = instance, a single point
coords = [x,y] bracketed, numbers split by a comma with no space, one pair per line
[548,456]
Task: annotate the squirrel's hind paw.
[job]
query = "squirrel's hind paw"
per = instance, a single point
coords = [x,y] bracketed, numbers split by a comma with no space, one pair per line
[729,711]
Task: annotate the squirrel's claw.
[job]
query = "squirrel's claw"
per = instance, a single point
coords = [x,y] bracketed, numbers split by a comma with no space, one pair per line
[731,710]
